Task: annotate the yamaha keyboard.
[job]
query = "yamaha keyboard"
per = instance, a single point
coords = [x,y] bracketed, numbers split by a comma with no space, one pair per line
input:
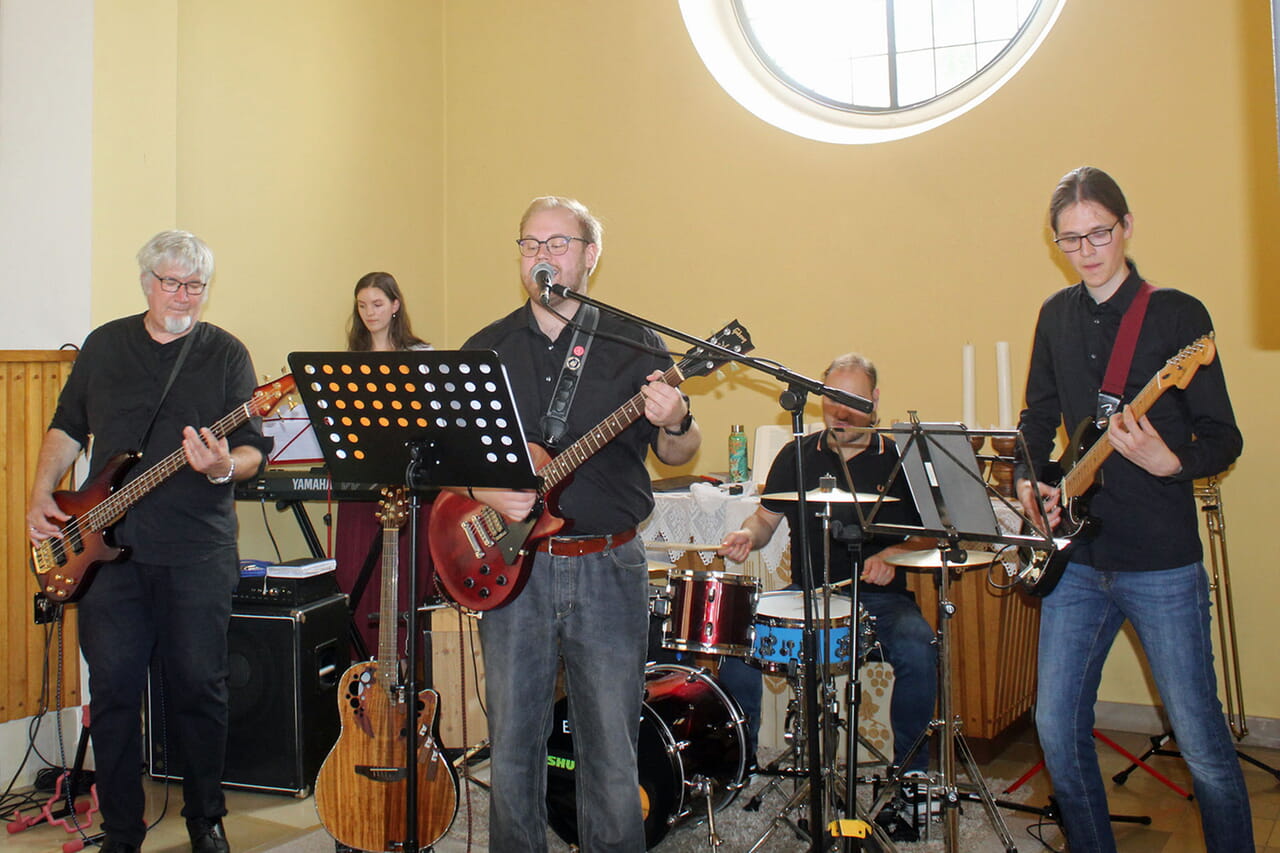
[284,484]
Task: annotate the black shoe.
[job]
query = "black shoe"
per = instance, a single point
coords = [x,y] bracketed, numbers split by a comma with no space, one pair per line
[110,845]
[207,836]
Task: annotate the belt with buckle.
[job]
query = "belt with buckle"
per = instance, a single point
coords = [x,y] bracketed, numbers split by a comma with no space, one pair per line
[577,546]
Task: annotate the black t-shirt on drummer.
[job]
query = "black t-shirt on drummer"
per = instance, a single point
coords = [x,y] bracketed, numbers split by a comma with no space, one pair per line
[870,472]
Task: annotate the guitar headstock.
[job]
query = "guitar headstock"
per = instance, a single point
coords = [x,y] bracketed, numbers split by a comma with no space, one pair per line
[267,397]
[700,362]
[393,509]
[1182,367]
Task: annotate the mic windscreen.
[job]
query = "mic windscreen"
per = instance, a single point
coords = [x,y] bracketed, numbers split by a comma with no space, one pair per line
[542,274]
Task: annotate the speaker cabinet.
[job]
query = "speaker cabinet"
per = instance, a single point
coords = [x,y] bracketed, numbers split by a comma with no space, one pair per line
[284,669]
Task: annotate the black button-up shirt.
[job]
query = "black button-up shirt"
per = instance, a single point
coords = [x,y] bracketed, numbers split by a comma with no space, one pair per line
[610,492]
[1145,522]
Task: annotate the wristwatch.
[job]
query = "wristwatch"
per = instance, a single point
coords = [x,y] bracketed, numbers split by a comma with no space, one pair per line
[684,424]
[225,478]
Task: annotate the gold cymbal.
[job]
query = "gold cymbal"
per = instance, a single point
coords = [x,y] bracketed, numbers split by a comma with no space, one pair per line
[932,559]
[659,569]
[835,496]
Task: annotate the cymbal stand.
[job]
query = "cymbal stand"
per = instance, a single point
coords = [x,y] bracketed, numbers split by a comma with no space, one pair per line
[948,726]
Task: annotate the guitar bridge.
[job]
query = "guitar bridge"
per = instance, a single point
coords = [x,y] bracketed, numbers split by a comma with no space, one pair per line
[382,774]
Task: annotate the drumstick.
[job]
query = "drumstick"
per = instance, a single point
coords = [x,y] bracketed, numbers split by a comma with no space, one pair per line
[659,545]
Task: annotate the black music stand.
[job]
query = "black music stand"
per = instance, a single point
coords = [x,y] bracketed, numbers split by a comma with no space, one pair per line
[430,418]
[954,503]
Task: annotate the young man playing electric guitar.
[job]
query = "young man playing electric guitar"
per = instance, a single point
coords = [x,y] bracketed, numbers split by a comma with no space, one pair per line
[1140,559]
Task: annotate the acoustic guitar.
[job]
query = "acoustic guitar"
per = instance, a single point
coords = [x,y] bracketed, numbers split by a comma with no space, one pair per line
[482,560]
[64,566]
[361,788]
[1082,459]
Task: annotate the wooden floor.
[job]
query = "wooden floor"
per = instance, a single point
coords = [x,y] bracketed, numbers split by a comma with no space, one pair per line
[261,822]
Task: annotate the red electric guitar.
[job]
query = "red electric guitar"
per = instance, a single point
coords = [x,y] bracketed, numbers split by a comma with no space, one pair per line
[64,566]
[1083,458]
[480,558]
[361,788]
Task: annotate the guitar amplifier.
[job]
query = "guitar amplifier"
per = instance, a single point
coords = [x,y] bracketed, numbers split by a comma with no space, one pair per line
[284,666]
[268,591]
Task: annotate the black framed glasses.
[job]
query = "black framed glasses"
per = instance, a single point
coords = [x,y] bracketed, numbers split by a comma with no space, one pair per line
[1100,237]
[556,245]
[171,285]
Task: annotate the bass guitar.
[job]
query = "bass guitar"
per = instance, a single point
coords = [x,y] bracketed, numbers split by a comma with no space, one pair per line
[1082,459]
[64,565]
[481,560]
[361,788]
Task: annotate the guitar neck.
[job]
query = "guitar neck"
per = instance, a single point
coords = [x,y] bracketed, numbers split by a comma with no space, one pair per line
[580,451]
[390,604]
[121,501]
[1085,472]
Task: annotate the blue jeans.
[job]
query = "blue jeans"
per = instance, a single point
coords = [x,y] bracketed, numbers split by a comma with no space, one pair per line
[907,644]
[592,612]
[179,614]
[1169,610]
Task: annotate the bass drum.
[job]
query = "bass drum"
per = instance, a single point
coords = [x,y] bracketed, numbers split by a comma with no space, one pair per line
[692,734]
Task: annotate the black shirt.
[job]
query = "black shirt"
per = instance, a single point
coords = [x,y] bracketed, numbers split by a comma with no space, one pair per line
[111,394]
[1145,522]
[610,492]
[870,472]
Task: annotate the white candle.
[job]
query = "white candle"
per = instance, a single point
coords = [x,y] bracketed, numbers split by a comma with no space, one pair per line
[967,388]
[1004,385]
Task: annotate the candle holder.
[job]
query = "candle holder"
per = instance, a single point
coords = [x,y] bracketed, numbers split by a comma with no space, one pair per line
[1001,472]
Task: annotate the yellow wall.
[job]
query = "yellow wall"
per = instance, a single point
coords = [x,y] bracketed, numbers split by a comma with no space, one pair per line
[312,141]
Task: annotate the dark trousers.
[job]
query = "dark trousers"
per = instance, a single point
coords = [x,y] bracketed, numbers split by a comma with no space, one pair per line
[178,616]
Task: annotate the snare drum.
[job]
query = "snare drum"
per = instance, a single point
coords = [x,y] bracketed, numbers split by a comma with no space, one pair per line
[691,733]
[779,628]
[711,612]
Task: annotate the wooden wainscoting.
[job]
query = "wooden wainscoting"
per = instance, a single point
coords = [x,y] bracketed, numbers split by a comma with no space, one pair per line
[29,384]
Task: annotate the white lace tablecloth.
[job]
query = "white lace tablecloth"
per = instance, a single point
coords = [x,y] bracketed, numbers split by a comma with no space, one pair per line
[704,514]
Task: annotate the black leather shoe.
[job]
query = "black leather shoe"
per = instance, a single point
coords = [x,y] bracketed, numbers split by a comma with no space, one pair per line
[110,845]
[207,836]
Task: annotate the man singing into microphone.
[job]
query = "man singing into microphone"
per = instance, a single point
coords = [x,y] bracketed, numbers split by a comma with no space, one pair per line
[586,600]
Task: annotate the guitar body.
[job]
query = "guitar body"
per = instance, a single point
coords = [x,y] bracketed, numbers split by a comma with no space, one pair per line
[481,559]
[78,554]
[360,790]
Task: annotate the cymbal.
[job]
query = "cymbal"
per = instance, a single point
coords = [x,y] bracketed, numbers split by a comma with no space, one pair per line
[657,568]
[835,496]
[932,559]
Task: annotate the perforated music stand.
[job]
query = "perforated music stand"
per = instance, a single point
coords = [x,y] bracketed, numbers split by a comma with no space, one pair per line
[436,417]
[954,503]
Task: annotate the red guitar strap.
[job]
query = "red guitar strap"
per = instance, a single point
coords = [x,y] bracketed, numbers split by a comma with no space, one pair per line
[1112,391]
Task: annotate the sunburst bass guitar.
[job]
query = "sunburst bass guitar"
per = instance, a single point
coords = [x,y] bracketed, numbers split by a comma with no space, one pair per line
[482,560]
[64,565]
[1082,459]
[361,792]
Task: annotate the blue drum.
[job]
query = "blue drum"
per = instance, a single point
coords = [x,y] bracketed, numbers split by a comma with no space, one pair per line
[779,628]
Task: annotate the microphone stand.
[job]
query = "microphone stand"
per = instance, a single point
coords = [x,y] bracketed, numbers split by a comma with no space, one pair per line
[793,400]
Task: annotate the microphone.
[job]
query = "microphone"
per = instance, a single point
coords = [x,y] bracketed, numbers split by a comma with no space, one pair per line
[543,274]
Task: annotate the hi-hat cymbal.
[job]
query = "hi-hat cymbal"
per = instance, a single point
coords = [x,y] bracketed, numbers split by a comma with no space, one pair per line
[657,568]
[932,559]
[835,496]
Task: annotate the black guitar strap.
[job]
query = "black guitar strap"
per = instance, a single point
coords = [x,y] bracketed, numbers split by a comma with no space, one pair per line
[173,374]
[556,420]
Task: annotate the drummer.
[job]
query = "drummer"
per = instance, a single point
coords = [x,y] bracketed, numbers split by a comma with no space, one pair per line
[865,460]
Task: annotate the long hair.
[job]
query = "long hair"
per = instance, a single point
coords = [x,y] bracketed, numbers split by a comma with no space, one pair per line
[399,332]
[1087,183]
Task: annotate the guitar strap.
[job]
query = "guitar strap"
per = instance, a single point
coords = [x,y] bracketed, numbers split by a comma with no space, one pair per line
[1111,395]
[173,374]
[556,421]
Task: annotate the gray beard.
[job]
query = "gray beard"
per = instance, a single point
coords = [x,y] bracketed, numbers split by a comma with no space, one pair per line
[177,325]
